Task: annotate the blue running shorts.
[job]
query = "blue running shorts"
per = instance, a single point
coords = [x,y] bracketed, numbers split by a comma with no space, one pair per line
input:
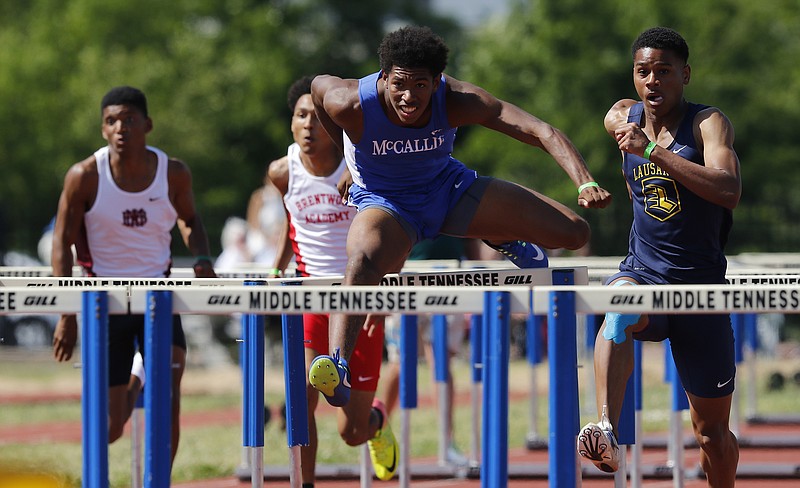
[421,212]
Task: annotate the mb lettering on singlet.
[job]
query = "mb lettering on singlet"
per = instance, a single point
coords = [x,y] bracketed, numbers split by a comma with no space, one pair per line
[134,217]
[661,198]
[384,147]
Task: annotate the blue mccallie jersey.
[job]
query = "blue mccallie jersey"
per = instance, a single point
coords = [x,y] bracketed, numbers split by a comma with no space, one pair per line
[676,236]
[394,161]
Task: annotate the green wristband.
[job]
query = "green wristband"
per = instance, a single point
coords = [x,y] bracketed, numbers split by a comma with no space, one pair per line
[649,150]
[276,272]
[587,185]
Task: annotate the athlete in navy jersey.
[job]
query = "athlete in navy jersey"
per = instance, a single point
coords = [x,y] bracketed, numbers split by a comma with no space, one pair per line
[683,179]
[677,236]
[397,128]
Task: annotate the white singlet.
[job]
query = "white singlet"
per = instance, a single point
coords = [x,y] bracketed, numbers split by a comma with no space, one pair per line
[129,234]
[318,220]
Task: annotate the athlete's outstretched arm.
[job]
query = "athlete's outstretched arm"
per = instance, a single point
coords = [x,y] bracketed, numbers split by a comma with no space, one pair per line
[470,104]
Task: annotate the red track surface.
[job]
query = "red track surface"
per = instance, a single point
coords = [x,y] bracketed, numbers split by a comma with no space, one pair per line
[71,432]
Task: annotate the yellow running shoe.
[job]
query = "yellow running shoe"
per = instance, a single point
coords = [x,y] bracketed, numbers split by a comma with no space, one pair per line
[383,449]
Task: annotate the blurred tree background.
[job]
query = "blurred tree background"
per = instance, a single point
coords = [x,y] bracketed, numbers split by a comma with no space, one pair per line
[216,73]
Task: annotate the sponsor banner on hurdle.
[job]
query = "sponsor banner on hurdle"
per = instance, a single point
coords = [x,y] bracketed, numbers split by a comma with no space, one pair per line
[456,277]
[36,301]
[326,299]
[461,277]
[686,299]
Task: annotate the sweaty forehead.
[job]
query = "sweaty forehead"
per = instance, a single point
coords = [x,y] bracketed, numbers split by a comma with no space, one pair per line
[304,102]
[398,72]
[118,110]
[649,55]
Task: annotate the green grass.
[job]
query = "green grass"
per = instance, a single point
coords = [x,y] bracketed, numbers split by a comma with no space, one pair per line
[215,451]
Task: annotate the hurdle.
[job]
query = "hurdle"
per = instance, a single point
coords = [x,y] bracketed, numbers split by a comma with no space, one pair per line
[361,299]
[158,303]
[566,302]
[458,277]
[717,294]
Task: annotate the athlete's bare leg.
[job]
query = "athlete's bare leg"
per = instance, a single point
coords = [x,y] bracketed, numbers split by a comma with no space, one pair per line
[357,421]
[376,245]
[613,365]
[122,400]
[527,216]
[719,450]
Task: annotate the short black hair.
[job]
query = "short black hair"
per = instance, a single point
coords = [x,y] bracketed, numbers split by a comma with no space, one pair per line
[662,38]
[300,87]
[125,95]
[413,47]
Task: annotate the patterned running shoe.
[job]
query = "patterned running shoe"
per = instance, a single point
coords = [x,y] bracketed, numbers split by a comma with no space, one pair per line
[597,443]
[383,449]
[522,254]
[331,376]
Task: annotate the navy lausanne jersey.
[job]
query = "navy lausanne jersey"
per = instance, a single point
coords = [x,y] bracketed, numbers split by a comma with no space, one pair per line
[676,236]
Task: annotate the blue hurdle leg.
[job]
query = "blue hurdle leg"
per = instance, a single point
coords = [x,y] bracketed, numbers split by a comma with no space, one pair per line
[494,473]
[157,400]
[408,391]
[476,347]
[94,397]
[441,376]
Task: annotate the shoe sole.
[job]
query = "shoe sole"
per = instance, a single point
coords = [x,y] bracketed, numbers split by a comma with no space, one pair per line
[593,446]
[324,376]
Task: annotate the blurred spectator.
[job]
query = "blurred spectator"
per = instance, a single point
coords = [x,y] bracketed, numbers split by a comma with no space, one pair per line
[265,218]
[235,250]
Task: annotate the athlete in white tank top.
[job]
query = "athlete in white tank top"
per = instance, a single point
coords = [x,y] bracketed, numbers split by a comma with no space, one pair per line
[129,233]
[318,220]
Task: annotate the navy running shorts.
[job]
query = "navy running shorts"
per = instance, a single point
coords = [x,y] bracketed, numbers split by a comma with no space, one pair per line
[124,333]
[702,346]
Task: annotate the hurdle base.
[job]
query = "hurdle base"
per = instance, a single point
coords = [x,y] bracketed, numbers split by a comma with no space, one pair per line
[775,419]
[534,442]
[418,471]
[422,471]
[763,441]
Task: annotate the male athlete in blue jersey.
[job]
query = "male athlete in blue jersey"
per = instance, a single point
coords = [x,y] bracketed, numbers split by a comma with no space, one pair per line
[683,179]
[397,128]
